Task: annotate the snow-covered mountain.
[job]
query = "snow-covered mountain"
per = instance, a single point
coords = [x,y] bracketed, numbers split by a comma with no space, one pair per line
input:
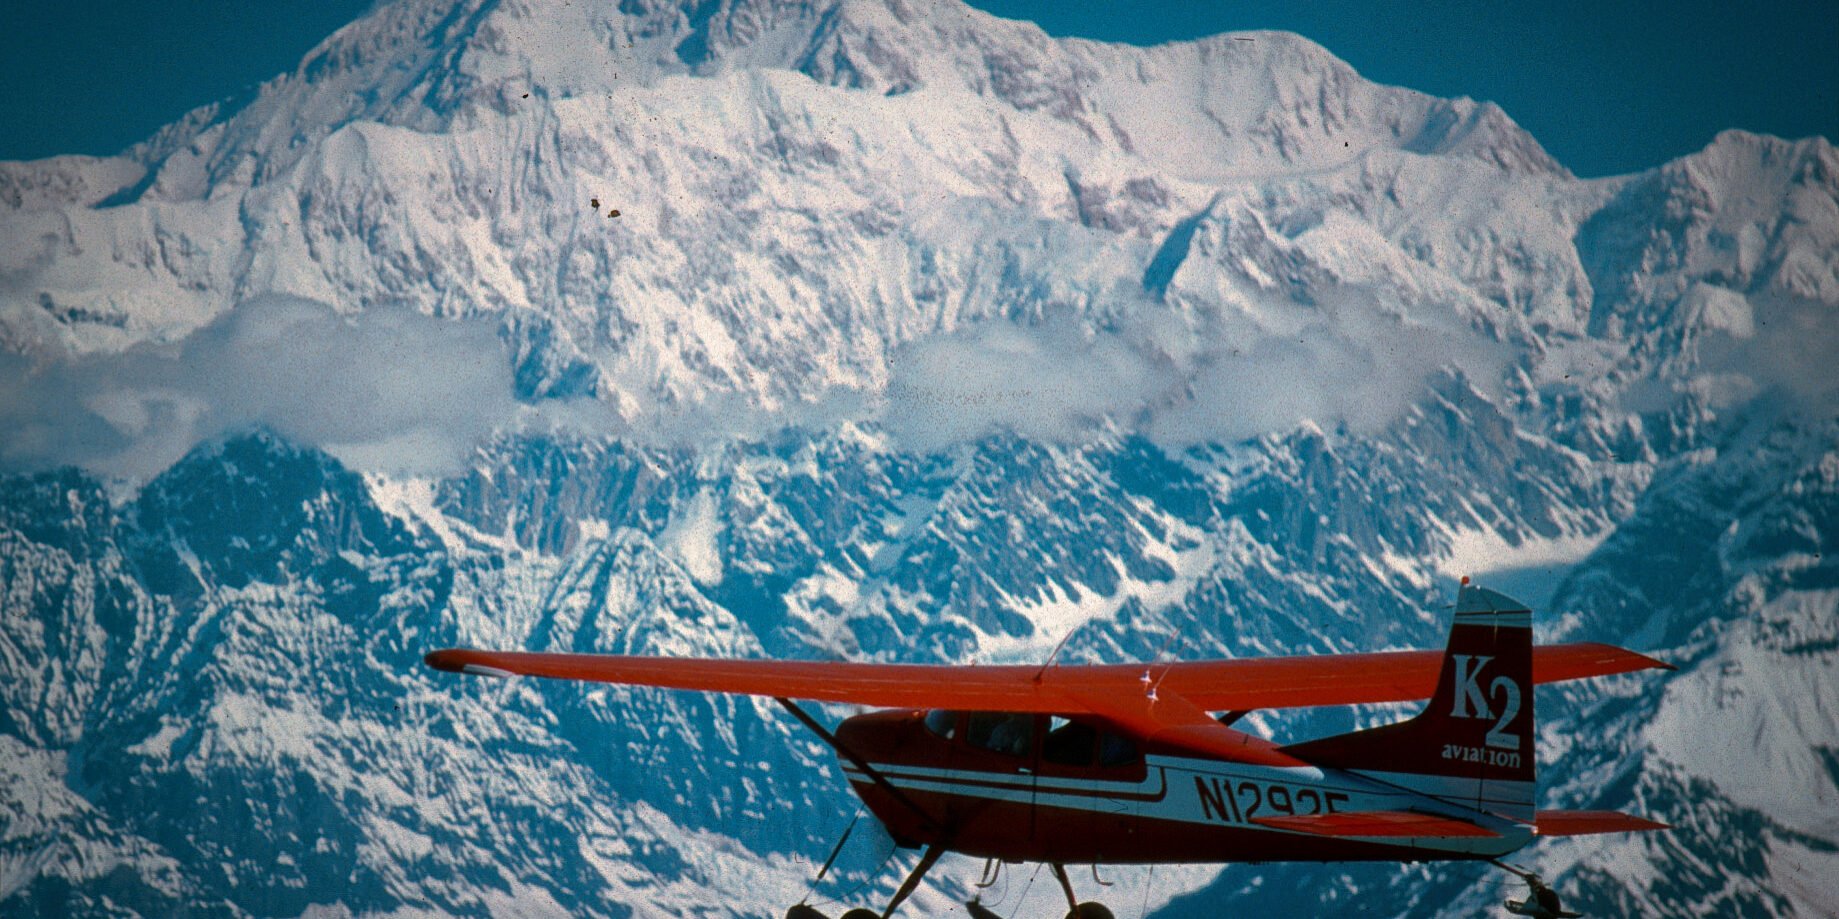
[878,330]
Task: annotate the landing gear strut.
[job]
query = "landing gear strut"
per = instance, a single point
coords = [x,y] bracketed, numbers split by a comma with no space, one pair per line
[1086,910]
[1541,901]
[919,871]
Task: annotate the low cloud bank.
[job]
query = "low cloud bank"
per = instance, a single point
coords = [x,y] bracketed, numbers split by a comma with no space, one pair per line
[393,391]
[390,390]
[1784,350]
[1347,361]
[1742,353]
[387,389]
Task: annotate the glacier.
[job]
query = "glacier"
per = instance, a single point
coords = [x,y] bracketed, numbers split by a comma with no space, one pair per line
[918,335]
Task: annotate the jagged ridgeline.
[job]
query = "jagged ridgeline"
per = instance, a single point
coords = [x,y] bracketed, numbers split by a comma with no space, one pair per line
[874,331]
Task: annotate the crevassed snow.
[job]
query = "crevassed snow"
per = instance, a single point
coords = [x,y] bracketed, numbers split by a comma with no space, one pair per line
[1483,553]
[691,536]
[159,745]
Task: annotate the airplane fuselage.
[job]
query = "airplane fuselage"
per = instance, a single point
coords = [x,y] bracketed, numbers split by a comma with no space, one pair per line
[1032,800]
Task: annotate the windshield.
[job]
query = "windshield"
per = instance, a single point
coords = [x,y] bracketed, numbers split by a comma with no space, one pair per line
[942,722]
[1008,733]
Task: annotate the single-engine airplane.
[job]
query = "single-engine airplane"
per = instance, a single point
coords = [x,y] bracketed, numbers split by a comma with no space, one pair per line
[1123,764]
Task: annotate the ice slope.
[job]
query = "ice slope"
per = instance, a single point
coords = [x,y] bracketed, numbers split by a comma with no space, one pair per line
[267,706]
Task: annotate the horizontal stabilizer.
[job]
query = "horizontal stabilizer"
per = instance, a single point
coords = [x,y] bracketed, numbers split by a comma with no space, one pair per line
[1579,823]
[1371,824]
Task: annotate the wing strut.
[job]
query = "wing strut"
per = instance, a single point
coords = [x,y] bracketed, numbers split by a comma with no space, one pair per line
[880,780]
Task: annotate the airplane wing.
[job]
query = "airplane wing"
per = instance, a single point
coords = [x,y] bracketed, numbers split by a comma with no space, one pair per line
[1383,676]
[1182,691]
[981,688]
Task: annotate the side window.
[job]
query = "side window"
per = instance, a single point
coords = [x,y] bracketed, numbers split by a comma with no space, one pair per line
[1116,750]
[1000,732]
[1069,743]
[941,722]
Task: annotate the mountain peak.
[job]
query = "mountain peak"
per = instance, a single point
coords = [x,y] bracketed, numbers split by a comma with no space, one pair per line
[444,65]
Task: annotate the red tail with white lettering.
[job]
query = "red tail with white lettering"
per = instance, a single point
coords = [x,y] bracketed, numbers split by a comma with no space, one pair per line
[1473,743]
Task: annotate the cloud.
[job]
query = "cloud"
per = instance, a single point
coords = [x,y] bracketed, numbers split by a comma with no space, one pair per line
[1742,353]
[389,389]
[1784,349]
[1348,360]
[1047,382]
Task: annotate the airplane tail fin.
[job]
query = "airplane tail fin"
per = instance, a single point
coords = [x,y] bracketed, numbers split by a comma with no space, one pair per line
[1473,742]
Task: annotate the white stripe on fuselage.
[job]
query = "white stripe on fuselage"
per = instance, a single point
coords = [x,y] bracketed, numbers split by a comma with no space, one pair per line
[1209,792]
[1029,780]
[1507,796]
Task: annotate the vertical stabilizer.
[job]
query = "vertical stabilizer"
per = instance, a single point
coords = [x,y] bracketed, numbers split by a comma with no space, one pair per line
[1473,742]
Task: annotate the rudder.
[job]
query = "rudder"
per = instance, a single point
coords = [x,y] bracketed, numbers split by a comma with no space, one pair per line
[1473,742]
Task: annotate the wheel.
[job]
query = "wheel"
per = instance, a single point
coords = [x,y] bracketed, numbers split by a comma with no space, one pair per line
[979,911]
[802,911]
[1090,910]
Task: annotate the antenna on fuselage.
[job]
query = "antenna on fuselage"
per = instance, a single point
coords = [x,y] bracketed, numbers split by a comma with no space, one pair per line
[1150,686]
[1038,674]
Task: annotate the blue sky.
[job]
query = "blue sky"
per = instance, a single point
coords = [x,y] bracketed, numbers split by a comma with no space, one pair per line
[1607,86]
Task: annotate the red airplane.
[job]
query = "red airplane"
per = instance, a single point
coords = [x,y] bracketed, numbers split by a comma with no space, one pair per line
[1123,764]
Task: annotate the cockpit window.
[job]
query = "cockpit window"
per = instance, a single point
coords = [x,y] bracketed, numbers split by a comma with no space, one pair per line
[942,722]
[1008,733]
[1069,743]
[1116,750]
